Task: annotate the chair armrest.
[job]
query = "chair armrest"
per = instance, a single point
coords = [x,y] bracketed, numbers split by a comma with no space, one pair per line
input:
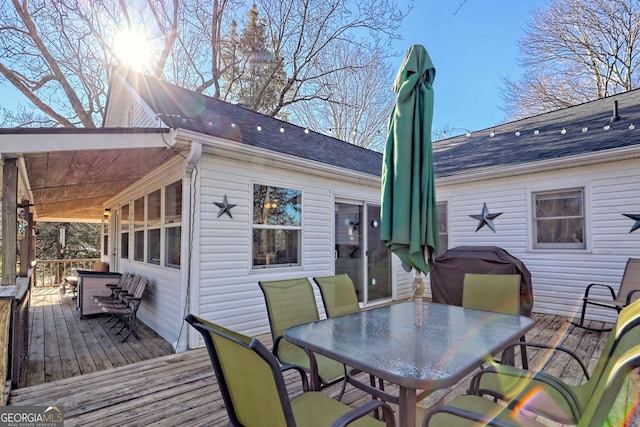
[588,289]
[630,295]
[516,383]
[554,348]
[363,410]
[303,374]
[369,389]
[488,420]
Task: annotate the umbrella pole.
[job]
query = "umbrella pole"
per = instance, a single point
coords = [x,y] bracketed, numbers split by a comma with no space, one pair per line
[418,293]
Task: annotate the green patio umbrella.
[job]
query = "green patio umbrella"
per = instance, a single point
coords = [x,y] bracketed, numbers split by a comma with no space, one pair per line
[409,218]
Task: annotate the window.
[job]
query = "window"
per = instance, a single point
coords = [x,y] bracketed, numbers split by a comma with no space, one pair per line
[105,236]
[172,221]
[443,233]
[558,219]
[124,231]
[138,226]
[156,223]
[153,227]
[277,226]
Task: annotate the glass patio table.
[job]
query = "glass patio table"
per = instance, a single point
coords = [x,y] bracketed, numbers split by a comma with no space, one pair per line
[389,343]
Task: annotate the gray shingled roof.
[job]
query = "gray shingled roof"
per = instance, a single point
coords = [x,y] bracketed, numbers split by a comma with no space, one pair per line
[482,151]
[184,109]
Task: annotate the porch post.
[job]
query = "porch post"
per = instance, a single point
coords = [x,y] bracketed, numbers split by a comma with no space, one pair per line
[9,218]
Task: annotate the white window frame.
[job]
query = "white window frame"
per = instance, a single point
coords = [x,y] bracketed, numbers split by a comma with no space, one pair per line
[260,267]
[560,246]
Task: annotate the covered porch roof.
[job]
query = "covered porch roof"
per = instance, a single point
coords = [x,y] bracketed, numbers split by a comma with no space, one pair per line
[68,174]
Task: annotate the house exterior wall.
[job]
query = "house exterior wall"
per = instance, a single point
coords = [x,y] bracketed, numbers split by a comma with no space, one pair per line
[228,291]
[559,276]
[162,306]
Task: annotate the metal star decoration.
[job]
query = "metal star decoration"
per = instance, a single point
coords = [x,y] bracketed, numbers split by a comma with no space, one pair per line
[225,207]
[486,218]
[636,218]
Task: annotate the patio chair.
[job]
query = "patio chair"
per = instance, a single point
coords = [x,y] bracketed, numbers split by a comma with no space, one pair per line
[498,293]
[549,396]
[338,295]
[339,298]
[470,410]
[254,392]
[628,291]
[126,311]
[290,303]
[123,285]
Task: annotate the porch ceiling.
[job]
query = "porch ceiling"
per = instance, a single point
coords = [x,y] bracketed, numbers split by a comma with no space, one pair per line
[73,185]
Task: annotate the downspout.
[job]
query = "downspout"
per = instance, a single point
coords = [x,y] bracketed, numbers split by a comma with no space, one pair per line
[189,181]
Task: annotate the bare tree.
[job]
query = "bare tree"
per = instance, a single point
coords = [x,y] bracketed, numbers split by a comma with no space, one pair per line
[575,51]
[353,103]
[59,54]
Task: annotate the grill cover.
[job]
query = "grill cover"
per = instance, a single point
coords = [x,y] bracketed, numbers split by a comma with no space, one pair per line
[447,275]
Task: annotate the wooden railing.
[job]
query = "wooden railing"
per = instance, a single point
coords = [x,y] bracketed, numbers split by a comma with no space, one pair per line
[53,272]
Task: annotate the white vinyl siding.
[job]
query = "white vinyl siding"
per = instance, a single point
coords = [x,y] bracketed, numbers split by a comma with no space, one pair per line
[559,276]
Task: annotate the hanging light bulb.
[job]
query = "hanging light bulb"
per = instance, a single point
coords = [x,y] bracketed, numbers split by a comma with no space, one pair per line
[259,128]
[306,130]
[585,129]
[563,131]
[468,133]
[537,131]
[492,134]
[281,129]
[518,132]
[631,126]
[233,125]
[607,126]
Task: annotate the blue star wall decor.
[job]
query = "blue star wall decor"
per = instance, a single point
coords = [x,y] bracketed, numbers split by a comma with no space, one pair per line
[225,207]
[486,218]
[636,218]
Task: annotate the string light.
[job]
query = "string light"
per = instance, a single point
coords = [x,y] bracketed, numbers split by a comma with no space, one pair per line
[259,128]
[492,134]
[518,132]
[233,125]
[306,130]
[281,129]
[631,126]
[585,129]
[563,131]
[607,126]
[536,132]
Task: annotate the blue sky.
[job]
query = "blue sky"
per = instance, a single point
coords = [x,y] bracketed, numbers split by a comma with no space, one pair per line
[472,51]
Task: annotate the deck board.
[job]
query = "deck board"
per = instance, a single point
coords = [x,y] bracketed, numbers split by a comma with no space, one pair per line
[129,387]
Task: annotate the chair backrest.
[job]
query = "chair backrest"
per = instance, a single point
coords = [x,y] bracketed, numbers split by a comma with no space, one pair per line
[620,338]
[289,302]
[248,375]
[142,286]
[597,412]
[492,292]
[630,279]
[338,295]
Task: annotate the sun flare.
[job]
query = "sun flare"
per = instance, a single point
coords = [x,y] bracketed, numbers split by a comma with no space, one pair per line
[132,49]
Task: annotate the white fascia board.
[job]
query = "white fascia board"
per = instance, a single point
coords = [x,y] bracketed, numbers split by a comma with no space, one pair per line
[53,142]
[608,156]
[238,151]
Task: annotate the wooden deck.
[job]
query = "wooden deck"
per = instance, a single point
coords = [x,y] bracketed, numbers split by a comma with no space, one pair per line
[180,389]
[62,345]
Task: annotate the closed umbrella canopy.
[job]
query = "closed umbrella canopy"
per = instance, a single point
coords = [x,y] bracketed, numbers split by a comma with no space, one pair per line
[409,218]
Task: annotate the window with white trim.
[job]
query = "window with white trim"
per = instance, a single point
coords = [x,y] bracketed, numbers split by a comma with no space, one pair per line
[138,229]
[443,233]
[153,227]
[558,219]
[173,223]
[124,231]
[277,226]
